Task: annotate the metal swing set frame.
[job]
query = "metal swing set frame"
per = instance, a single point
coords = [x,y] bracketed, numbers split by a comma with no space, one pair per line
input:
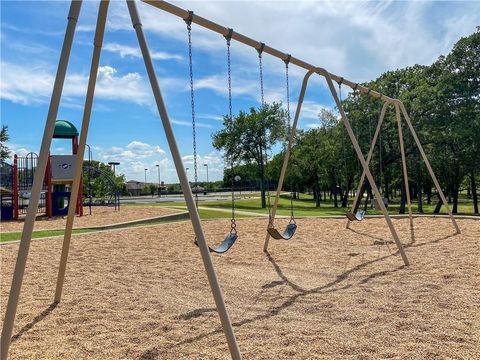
[73,15]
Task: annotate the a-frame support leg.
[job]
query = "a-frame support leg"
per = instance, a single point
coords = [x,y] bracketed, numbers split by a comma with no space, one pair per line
[404,163]
[429,167]
[365,167]
[369,156]
[97,46]
[38,181]
[197,226]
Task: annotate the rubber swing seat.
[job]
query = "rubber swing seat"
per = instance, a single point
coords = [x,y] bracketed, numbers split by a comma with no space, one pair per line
[358,216]
[225,245]
[287,233]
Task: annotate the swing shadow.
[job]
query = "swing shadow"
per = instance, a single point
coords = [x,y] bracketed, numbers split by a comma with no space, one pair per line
[413,243]
[301,292]
[274,311]
[35,320]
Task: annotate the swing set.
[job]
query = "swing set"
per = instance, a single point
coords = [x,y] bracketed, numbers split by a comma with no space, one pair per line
[191,202]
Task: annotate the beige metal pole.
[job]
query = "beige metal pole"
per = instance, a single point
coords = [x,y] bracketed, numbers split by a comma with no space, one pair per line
[293,130]
[370,153]
[97,46]
[429,167]
[182,13]
[404,163]
[365,166]
[38,181]
[187,192]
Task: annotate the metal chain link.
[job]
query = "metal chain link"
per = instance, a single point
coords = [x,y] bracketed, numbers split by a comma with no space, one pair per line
[260,65]
[229,74]
[192,97]
[262,96]
[233,224]
[287,61]
[289,130]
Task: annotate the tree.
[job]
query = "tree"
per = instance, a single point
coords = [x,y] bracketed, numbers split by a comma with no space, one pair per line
[4,137]
[249,136]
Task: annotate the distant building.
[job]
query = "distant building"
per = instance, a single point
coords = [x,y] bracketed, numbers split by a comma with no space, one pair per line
[134,188]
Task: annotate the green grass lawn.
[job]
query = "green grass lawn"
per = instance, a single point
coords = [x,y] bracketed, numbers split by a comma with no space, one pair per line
[12,236]
[213,214]
[204,215]
[306,206]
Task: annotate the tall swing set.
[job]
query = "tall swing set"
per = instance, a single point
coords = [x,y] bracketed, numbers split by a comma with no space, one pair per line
[191,18]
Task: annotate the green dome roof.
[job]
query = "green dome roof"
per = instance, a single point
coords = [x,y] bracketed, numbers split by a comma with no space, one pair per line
[64,130]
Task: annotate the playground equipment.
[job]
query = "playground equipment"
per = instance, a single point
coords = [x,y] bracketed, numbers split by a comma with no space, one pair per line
[6,190]
[17,180]
[181,172]
[231,237]
[108,189]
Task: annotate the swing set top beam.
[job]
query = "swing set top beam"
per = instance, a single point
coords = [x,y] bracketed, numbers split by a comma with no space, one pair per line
[185,14]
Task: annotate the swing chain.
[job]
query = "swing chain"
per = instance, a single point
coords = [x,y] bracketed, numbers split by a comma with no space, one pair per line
[188,21]
[287,61]
[289,129]
[260,51]
[228,37]
[262,95]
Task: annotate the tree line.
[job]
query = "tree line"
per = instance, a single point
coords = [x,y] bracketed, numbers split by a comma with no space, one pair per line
[443,101]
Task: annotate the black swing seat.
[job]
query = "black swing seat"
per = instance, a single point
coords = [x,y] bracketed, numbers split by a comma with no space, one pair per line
[225,245]
[287,233]
[358,216]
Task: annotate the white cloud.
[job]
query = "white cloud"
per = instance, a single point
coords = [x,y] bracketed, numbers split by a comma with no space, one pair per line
[18,149]
[134,150]
[189,123]
[130,51]
[137,156]
[310,109]
[33,85]
[357,40]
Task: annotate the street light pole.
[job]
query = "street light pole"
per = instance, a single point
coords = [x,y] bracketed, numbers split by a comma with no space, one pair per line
[159,191]
[145,183]
[207,171]
[113,164]
[89,179]
[205,191]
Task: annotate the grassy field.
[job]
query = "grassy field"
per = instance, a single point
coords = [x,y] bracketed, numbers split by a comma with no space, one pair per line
[12,236]
[16,235]
[306,206]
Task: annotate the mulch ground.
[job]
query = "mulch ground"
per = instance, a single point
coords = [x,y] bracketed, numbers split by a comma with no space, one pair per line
[329,293]
[101,215]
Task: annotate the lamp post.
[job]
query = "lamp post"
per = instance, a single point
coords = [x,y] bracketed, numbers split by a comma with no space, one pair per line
[89,179]
[117,196]
[158,168]
[205,190]
[206,165]
[145,183]
[113,164]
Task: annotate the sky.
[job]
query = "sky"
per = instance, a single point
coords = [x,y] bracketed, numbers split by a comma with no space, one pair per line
[358,40]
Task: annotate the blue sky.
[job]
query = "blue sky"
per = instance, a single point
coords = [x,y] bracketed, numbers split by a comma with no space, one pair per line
[357,40]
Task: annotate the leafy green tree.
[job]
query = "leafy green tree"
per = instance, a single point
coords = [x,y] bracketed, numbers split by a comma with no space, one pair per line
[249,136]
[4,137]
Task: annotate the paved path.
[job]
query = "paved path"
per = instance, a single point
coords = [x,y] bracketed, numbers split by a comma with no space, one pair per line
[240,212]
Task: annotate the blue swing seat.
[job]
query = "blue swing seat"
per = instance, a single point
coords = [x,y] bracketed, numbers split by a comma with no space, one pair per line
[287,233]
[225,245]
